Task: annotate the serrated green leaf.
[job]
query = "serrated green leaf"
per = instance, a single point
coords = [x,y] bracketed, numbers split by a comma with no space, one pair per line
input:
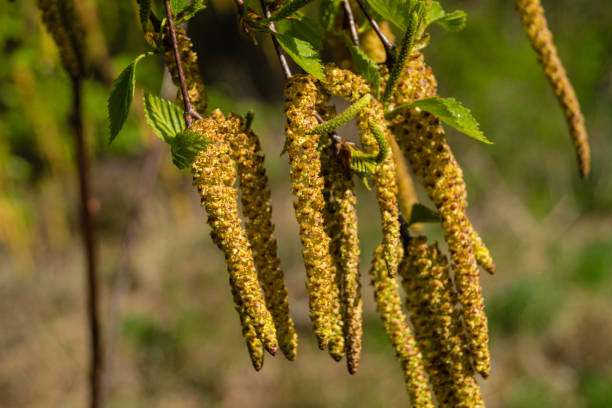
[328,12]
[191,10]
[304,28]
[421,213]
[453,113]
[303,53]
[164,117]
[121,97]
[365,65]
[396,11]
[185,147]
[144,13]
[289,8]
[454,21]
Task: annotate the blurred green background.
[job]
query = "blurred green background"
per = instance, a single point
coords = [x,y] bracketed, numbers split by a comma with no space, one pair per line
[173,337]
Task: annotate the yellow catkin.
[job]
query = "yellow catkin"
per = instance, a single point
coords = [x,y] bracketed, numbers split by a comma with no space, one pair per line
[406,192]
[431,301]
[341,223]
[257,209]
[302,98]
[347,85]
[534,21]
[254,345]
[214,175]
[189,61]
[389,306]
[422,139]
[371,44]
[61,20]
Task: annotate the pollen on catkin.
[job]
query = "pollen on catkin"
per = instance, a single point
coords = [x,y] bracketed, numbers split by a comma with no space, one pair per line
[254,345]
[255,196]
[214,175]
[347,85]
[302,97]
[189,62]
[389,307]
[431,300]
[541,38]
[423,141]
[61,20]
[341,224]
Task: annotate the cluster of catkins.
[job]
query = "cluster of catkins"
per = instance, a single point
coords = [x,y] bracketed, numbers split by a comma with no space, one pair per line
[441,341]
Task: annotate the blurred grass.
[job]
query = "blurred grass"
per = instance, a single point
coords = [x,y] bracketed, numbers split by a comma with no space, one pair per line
[179,339]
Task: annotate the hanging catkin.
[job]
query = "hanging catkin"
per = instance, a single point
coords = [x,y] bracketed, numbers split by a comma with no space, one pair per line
[347,85]
[389,306]
[422,139]
[189,62]
[214,175]
[256,207]
[302,98]
[61,20]
[341,225]
[534,21]
[431,300]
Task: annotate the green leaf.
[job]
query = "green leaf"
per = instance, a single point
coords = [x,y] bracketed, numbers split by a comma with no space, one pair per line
[454,21]
[365,65]
[328,12]
[121,97]
[421,213]
[396,11]
[164,117]
[178,5]
[304,28]
[288,9]
[303,53]
[191,10]
[185,147]
[453,113]
[144,13]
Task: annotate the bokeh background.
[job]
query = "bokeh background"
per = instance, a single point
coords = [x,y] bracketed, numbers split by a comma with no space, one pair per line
[171,331]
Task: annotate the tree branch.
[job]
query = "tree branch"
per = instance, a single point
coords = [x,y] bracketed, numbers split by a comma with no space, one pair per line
[282,58]
[87,225]
[190,113]
[351,22]
[389,47]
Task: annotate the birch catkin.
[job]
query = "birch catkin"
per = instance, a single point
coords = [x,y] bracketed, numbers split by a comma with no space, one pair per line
[302,96]
[214,175]
[347,85]
[256,207]
[341,223]
[422,139]
[431,300]
[189,62]
[61,21]
[541,38]
[389,306]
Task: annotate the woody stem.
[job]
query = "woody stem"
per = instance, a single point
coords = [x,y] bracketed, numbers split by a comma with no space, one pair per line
[190,113]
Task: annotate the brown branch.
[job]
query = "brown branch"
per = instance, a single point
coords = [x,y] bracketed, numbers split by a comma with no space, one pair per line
[282,58]
[190,113]
[351,22]
[89,237]
[389,47]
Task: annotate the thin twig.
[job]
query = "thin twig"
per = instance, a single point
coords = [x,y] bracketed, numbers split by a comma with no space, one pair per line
[93,313]
[389,47]
[351,22]
[190,113]
[282,58]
